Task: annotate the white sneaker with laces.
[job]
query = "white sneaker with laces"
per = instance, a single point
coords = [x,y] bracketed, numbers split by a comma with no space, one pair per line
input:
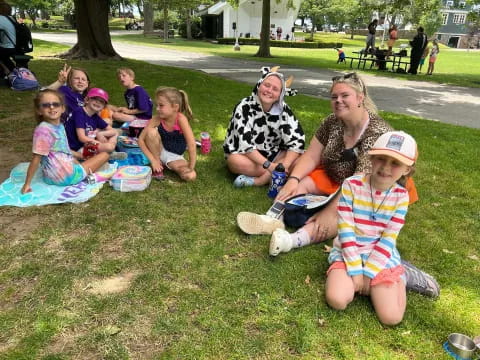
[281,241]
[254,224]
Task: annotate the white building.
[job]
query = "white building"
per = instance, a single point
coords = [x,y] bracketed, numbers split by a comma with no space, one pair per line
[219,20]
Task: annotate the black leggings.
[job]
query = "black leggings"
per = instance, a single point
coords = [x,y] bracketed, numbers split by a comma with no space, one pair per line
[6,55]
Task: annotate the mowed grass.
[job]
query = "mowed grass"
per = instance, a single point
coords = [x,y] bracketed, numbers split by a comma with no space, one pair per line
[200,288]
[453,66]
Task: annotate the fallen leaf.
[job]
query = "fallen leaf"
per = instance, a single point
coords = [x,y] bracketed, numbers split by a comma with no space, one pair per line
[307,280]
[436,204]
[88,286]
[327,249]
[321,322]
[111,330]
[148,221]
[473,257]
[406,332]
[226,257]
[446,251]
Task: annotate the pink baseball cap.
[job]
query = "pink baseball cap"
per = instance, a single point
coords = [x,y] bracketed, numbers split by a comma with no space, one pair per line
[97,92]
[397,144]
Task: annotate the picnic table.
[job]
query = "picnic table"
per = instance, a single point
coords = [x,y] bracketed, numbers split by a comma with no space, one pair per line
[379,58]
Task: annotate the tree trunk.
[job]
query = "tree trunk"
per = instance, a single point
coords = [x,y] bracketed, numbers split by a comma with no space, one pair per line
[148,16]
[32,14]
[93,35]
[165,23]
[188,22]
[264,49]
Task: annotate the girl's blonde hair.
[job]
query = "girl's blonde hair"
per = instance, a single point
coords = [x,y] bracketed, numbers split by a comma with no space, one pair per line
[37,100]
[70,78]
[127,71]
[357,84]
[175,96]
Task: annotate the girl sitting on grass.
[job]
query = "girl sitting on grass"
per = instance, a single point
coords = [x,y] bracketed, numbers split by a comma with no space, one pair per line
[371,213]
[87,132]
[168,135]
[50,146]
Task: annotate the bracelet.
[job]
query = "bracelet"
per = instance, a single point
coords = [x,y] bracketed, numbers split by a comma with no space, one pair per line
[293,177]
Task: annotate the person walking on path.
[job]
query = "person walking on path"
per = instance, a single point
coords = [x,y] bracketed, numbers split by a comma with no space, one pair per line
[418,45]
[370,42]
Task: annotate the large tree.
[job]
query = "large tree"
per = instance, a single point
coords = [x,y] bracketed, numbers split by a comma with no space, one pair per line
[264,48]
[93,34]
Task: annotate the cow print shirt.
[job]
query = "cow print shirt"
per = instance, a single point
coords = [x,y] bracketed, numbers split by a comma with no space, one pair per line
[330,135]
[253,129]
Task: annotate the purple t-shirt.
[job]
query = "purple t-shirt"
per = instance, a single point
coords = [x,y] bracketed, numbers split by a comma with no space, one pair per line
[80,119]
[73,101]
[138,98]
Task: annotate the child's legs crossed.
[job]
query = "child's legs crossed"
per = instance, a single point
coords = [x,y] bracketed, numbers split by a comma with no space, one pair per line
[95,162]
[241,164]
[389,302]
[339,289]
[182,169]
[153,142]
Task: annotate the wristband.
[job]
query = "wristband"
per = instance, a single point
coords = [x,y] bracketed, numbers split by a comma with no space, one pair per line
[294,177]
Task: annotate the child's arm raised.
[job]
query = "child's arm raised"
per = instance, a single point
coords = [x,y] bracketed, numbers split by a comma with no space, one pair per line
[32,168]
[62,78]
[190,139]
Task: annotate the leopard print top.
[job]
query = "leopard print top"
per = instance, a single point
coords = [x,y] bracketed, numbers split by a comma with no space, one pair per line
[330,135]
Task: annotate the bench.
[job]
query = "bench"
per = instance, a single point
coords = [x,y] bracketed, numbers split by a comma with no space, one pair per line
[362,62]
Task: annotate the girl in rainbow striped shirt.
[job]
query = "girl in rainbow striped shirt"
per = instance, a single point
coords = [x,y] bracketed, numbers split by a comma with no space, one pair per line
[371,211]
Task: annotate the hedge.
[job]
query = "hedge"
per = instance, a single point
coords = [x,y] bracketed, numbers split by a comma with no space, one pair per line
[282,43]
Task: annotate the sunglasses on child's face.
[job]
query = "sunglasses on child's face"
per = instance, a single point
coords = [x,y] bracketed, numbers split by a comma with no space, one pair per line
[50,105]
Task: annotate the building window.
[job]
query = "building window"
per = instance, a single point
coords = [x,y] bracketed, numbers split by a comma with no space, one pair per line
[449,3]
[459,18]
[462,4]
[445,18]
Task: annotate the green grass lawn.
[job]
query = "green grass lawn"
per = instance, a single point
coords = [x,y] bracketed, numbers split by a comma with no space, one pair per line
[452,67]
[200,288]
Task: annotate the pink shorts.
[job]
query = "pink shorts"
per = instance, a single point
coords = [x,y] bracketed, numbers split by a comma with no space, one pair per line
[384,277]
[432,60]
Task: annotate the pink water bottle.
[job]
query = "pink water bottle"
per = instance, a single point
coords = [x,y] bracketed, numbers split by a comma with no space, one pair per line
[205,143]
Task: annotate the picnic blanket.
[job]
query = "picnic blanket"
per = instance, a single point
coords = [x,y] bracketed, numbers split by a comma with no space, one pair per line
[44,194]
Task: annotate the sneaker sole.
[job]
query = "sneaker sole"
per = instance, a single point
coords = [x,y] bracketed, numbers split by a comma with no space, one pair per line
[253,224]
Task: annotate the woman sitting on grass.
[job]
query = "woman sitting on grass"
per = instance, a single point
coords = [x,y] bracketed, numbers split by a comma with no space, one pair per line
[338,150]
[263,132]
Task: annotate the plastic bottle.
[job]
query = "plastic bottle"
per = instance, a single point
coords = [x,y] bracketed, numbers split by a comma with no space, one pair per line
[205,143]
[279,177]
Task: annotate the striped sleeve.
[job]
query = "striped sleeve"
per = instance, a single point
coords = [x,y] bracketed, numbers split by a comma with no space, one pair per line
[384,248]
[346,231]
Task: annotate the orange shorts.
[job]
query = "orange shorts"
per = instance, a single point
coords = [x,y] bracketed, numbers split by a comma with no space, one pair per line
[323,183]
[326,186]
[384,277]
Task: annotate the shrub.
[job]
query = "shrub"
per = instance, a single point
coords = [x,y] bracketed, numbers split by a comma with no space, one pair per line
[282,43]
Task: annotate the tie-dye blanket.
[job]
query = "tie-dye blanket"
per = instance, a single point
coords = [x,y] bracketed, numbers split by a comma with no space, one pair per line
[44,194]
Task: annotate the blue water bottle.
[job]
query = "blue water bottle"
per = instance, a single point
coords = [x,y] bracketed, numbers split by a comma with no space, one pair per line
[279,177]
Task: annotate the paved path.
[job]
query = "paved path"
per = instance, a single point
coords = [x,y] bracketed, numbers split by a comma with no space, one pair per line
[449,104]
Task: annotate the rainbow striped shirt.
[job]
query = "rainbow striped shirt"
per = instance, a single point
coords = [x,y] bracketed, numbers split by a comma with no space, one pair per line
[366,239]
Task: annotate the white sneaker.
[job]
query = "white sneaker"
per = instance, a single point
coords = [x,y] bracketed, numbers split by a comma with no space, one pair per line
[254,224]
[281,241]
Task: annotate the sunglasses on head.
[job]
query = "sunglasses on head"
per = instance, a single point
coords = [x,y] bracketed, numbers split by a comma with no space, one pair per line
[50,105]
[345,77]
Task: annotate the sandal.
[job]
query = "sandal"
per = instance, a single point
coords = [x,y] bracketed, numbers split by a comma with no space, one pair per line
[243,181]
[420,282]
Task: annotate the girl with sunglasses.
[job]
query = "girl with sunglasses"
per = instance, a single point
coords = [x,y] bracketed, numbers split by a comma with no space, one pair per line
[50,146]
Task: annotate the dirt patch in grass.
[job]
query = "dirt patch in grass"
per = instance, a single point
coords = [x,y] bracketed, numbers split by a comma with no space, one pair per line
[16,226]
[111,285]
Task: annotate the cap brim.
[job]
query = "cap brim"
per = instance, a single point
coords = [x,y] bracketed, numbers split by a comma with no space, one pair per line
[394,154]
